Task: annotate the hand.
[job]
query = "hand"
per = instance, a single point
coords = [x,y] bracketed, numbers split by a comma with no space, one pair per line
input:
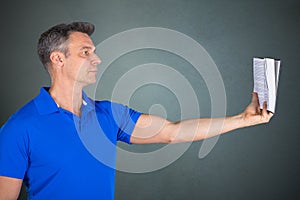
[253,115]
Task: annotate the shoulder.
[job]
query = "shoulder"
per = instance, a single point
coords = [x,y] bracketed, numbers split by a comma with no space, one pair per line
[102,103]
[118,110]
[108,106]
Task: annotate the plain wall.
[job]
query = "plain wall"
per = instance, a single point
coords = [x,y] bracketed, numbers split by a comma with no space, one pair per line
[260,162]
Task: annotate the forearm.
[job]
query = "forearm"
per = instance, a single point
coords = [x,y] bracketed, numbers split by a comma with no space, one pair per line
[154,129]
[199,129]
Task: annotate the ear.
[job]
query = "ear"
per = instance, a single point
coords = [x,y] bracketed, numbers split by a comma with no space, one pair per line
[57,58]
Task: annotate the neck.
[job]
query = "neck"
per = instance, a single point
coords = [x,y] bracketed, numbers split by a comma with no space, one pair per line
[67,96]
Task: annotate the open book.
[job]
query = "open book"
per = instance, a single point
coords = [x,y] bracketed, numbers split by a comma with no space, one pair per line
[266,76]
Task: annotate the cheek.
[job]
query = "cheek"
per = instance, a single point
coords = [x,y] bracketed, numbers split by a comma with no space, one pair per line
[83,71]
[78,66]
[83,67]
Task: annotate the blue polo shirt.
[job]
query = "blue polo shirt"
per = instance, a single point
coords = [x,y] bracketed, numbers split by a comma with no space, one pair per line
[60,155]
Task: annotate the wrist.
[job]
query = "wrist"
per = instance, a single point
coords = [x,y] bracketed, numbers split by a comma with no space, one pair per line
[241,122]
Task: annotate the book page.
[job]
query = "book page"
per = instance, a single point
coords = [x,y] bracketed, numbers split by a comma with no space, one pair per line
[277,69]
[266,78]
[271,83]
[260,86]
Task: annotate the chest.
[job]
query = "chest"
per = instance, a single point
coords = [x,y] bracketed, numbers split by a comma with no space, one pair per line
[62,141]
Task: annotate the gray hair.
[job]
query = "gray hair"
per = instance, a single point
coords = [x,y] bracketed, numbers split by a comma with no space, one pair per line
[56,39]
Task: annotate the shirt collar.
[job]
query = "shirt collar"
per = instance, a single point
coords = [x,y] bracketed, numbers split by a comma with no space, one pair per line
[46,105]
[87,103]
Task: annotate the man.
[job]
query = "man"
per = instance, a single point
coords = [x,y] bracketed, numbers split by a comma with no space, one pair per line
[45,144]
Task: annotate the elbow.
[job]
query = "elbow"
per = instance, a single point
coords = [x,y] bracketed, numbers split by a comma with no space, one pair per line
[169,134]
[169,139]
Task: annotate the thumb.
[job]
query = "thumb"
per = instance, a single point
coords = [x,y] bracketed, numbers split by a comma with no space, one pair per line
[254,98]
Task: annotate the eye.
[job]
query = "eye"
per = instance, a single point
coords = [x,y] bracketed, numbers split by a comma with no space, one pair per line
[86,53]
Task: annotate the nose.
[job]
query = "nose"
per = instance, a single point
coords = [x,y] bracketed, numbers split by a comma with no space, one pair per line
[95,59]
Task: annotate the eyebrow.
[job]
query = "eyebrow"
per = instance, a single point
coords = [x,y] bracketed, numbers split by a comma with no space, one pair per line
[87,47]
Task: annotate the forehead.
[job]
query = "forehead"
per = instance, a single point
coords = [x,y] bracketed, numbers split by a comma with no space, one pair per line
[78,39]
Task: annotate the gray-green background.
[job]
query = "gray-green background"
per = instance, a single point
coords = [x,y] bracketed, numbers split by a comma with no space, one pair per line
[259,162]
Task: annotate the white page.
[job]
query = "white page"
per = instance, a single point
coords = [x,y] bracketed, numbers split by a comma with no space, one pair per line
[260,86]
[277,70]
[271,84]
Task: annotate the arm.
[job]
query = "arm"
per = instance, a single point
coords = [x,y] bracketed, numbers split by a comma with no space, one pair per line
[9,188]
[154,129]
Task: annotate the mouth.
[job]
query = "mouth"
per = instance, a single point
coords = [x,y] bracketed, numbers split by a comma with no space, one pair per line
[93,71]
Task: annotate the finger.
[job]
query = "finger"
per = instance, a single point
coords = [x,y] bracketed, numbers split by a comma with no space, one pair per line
[264,111]
[255,98]
[270,114]
[258,110]
[266,114]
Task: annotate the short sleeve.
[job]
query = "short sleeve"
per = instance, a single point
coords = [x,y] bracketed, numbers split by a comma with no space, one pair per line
[13,150]
[125,119]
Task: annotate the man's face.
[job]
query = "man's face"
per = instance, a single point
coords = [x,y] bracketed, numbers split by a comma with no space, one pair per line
[81,63]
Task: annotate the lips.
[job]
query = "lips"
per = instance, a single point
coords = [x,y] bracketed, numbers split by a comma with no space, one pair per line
[94,71]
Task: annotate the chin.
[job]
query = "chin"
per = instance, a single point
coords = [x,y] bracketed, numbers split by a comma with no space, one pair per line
[88,83]
[92,82]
